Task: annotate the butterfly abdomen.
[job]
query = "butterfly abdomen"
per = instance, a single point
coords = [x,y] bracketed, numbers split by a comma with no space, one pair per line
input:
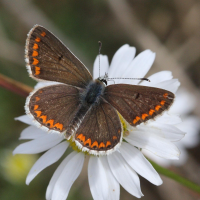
[76,121]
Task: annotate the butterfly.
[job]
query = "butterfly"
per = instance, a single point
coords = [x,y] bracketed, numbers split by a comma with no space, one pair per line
[78,107]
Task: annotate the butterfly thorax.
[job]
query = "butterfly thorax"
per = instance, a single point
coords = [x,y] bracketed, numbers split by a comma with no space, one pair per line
[92,93]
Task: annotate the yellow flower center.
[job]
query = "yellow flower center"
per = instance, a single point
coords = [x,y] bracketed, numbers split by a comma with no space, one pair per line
[124,126]
[75,147]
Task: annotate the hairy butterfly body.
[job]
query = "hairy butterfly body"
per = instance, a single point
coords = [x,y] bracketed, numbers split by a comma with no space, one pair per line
[78,107]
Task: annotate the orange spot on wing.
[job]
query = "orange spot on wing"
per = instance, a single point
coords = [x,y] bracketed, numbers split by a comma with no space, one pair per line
[35,61]
[151,112]
[95,144]
[37,98]
[108,143]
[157,107]
[165,95]
[37,39]
[51,121]
[81,137]
[102,145]
[36,107]
[35,46]
[43,34]
[114,137]
[144,116]
[162,102]
[44,118]
[38,113]
[59,126]
[136,119]
[35,53]
[88,142]
[37,70]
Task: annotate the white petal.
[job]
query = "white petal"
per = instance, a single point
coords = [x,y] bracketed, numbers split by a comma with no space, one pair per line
[161,161]
[190,125]
[166,163]
[124,174]
[47,159]
[121,61]
[56,175]
[154,143]
[104,64]
[114,187]
[99,172]
[31,132]
[138,67]
[157,78]
[139,163]
[167,118]
[68,176]
[25,119]
[167,131]
[183,157]
[38,145]
[97,176]
[45,84]
[170,85]
[183,98]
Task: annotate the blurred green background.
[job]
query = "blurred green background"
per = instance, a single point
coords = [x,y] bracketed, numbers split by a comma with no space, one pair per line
[170,28]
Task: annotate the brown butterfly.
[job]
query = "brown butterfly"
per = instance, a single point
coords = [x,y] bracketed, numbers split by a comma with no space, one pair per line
[80,108]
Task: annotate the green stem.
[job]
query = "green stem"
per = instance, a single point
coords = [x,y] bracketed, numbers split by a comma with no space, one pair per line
[176,177]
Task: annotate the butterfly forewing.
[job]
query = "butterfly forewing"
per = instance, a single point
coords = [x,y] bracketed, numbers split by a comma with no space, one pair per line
[100,130]
[48,59]
[138,104]
[54,106]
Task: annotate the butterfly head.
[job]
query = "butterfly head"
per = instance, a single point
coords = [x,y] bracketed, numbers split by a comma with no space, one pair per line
[104,79]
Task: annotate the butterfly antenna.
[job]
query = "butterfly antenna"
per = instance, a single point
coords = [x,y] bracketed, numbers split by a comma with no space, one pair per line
[142,79]
[100,45]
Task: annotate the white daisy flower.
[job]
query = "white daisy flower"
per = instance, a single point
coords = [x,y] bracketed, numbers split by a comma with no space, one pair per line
[184,104]
[107,173]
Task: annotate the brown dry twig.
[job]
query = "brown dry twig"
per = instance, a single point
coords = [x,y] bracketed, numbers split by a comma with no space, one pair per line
[15,86]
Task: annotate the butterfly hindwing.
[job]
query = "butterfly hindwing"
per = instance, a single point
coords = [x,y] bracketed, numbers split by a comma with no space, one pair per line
[47,58]
[138,104]
[100,129]
[53,107]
